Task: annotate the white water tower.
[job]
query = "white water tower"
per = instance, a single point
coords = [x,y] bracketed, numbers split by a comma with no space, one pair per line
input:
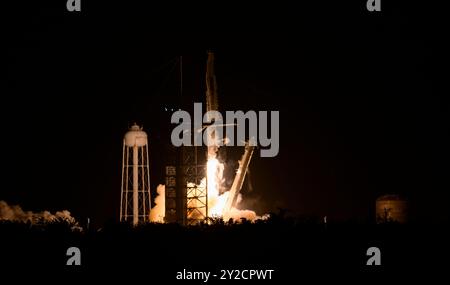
[135,196]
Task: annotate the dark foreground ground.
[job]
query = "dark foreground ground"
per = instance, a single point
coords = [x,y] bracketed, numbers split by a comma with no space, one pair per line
[292,248]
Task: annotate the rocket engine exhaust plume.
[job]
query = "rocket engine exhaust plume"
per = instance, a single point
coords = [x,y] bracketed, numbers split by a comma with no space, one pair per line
[216,200]
[16,214]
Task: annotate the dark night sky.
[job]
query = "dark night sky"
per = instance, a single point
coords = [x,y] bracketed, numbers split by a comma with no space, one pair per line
[361,108]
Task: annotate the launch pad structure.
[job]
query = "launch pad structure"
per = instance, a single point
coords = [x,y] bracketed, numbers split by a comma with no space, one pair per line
[186,200]
[186,173]
[187,203]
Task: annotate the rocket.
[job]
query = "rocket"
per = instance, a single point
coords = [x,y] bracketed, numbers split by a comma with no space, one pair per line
[212,103]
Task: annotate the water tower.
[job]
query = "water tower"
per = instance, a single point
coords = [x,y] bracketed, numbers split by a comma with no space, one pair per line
[135,196]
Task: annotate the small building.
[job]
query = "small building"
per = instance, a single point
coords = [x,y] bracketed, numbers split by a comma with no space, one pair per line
[391,208]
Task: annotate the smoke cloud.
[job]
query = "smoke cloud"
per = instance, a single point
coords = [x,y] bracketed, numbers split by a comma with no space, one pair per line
[237,214]
[16,214]
[158,212]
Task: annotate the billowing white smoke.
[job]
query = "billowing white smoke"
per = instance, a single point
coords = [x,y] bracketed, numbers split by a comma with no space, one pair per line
[237,215]
[216,200]
[158,212]
[16,214]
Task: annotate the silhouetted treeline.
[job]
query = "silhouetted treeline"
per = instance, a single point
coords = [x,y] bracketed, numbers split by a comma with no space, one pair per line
[283,243]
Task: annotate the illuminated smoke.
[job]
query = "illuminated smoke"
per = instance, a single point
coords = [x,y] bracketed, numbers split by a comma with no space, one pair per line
[16,214]
[158,212]
[216,200]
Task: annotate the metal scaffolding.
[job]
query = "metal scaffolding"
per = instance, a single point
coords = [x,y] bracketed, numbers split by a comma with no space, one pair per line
[196,192]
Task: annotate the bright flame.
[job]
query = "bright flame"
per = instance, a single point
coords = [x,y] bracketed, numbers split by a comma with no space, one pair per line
[216,200]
